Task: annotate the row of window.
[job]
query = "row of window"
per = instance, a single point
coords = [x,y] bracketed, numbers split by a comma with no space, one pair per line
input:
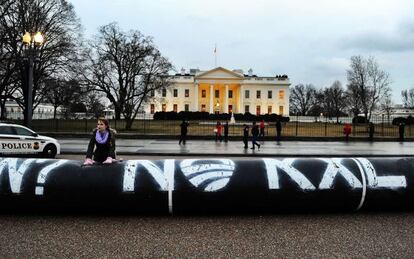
[217,93]
[35,111]
[203,108]
[164,107]
[175,93]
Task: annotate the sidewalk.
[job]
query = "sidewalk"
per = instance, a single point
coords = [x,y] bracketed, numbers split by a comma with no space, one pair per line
[161,147]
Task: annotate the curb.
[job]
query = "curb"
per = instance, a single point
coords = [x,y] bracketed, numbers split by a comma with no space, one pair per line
[258,154]
[231,138]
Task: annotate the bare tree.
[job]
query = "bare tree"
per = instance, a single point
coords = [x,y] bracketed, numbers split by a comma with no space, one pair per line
[302,98]
[317,106]
[56,19]
[387,105]
[126,67]
[94,104]
[61,92]
[368,82]
[408,98]
[353,100]
[335,100]
[7,64]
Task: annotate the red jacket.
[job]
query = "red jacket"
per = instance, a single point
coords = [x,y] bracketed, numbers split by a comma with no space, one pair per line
[262,125]
[219,129]
[347,129]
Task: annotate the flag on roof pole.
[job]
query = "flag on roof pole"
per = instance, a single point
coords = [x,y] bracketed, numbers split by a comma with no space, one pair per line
[215,55]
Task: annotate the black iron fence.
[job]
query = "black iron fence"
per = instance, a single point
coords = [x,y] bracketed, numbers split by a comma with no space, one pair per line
[295,128]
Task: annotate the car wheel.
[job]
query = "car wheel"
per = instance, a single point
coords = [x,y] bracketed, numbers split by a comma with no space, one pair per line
[49,151]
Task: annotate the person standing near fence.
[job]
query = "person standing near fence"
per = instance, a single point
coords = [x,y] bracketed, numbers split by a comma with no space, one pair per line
[262,130]
[226,131]
[218,130]
[278,130]
[401,129]
[255,134]
[245,135]
[371,131]
[102,144]
[347,131]
[184,130]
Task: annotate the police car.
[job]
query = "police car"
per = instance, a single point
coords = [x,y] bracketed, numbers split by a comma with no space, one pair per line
[19,140]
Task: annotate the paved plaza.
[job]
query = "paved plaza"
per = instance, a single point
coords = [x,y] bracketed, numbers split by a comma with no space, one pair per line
[235,148]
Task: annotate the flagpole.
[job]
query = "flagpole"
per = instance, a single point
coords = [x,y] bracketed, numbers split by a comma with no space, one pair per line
[215,55]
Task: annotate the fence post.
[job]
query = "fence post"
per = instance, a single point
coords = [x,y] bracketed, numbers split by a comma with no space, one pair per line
[297,121]
[267,129]
[382,127]
[326,126]
[143,123]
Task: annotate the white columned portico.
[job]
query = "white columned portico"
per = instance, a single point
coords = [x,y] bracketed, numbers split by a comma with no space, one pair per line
[241,98]
[211,98]
[226,99]
[195,98]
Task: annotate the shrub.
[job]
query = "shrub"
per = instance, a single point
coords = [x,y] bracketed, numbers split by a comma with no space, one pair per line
[217,117]
[407,121]
[359,119]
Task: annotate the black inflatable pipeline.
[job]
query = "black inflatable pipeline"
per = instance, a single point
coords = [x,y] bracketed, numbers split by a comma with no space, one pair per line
[209,185]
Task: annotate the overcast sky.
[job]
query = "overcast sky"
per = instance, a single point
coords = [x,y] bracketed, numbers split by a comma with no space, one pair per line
[310,41]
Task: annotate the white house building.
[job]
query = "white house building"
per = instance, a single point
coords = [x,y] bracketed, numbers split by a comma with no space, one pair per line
[42,111]
[223,91]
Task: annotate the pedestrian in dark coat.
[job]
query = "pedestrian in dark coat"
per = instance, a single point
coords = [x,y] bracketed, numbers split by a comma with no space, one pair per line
[102,144]
[255,134]
[371,130]
[278,130]
[245,135]
[401,129]
[226,131]
[184,129]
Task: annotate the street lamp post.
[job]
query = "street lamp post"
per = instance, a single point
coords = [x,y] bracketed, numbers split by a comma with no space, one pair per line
[31,42]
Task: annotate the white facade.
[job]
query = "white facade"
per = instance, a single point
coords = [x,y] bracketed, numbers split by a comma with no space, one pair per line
[223,91]
[42,111]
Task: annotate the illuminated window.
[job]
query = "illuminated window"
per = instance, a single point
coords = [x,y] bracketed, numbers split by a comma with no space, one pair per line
[281,94]
[258,110]
[164,107]
[230,108]
[269,110]
[175,107]
[203,107]
[280,110]
[203,93]
[152,108]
